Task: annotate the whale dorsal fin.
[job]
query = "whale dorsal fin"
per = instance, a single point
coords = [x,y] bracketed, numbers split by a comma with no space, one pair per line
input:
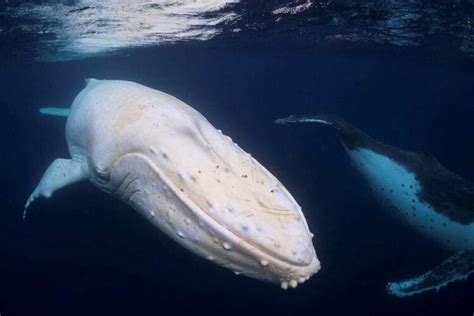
[89,81]
[63,111]
[457,267]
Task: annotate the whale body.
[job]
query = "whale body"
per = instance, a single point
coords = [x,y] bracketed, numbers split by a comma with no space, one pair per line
[163,158]
[418,190]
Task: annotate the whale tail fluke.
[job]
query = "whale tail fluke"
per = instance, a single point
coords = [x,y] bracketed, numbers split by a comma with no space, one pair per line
[55,111]
[457,267]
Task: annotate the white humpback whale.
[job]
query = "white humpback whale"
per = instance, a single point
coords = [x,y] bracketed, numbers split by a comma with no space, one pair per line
[416,188]
[164,158]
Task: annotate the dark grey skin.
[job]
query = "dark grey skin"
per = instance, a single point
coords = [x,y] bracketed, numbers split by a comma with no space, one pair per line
[435,201]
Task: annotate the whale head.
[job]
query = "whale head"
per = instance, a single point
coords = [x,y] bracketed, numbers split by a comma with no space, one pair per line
[220,203]
[192,182]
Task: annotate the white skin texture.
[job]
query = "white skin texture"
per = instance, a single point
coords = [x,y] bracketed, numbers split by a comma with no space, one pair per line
[170,164]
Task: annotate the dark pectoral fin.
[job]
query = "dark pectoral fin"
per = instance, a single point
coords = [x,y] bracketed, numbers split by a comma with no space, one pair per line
[321,119]
[457,267]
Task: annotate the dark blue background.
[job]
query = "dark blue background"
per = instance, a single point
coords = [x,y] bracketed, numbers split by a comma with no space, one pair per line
[84,253]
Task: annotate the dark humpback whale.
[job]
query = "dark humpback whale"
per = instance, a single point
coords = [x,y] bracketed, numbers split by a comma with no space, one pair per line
[420,191]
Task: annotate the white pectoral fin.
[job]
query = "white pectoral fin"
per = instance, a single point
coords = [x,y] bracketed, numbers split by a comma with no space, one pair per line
[54,111]
[457,267]
[61,173]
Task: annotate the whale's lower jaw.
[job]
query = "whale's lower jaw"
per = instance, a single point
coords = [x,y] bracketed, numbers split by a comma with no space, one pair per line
[397,188]
[147,190]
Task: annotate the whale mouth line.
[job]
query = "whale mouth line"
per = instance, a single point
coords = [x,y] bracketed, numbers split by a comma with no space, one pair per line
[231,235]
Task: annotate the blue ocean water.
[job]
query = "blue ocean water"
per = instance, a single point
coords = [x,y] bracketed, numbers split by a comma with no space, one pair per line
[398,71]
